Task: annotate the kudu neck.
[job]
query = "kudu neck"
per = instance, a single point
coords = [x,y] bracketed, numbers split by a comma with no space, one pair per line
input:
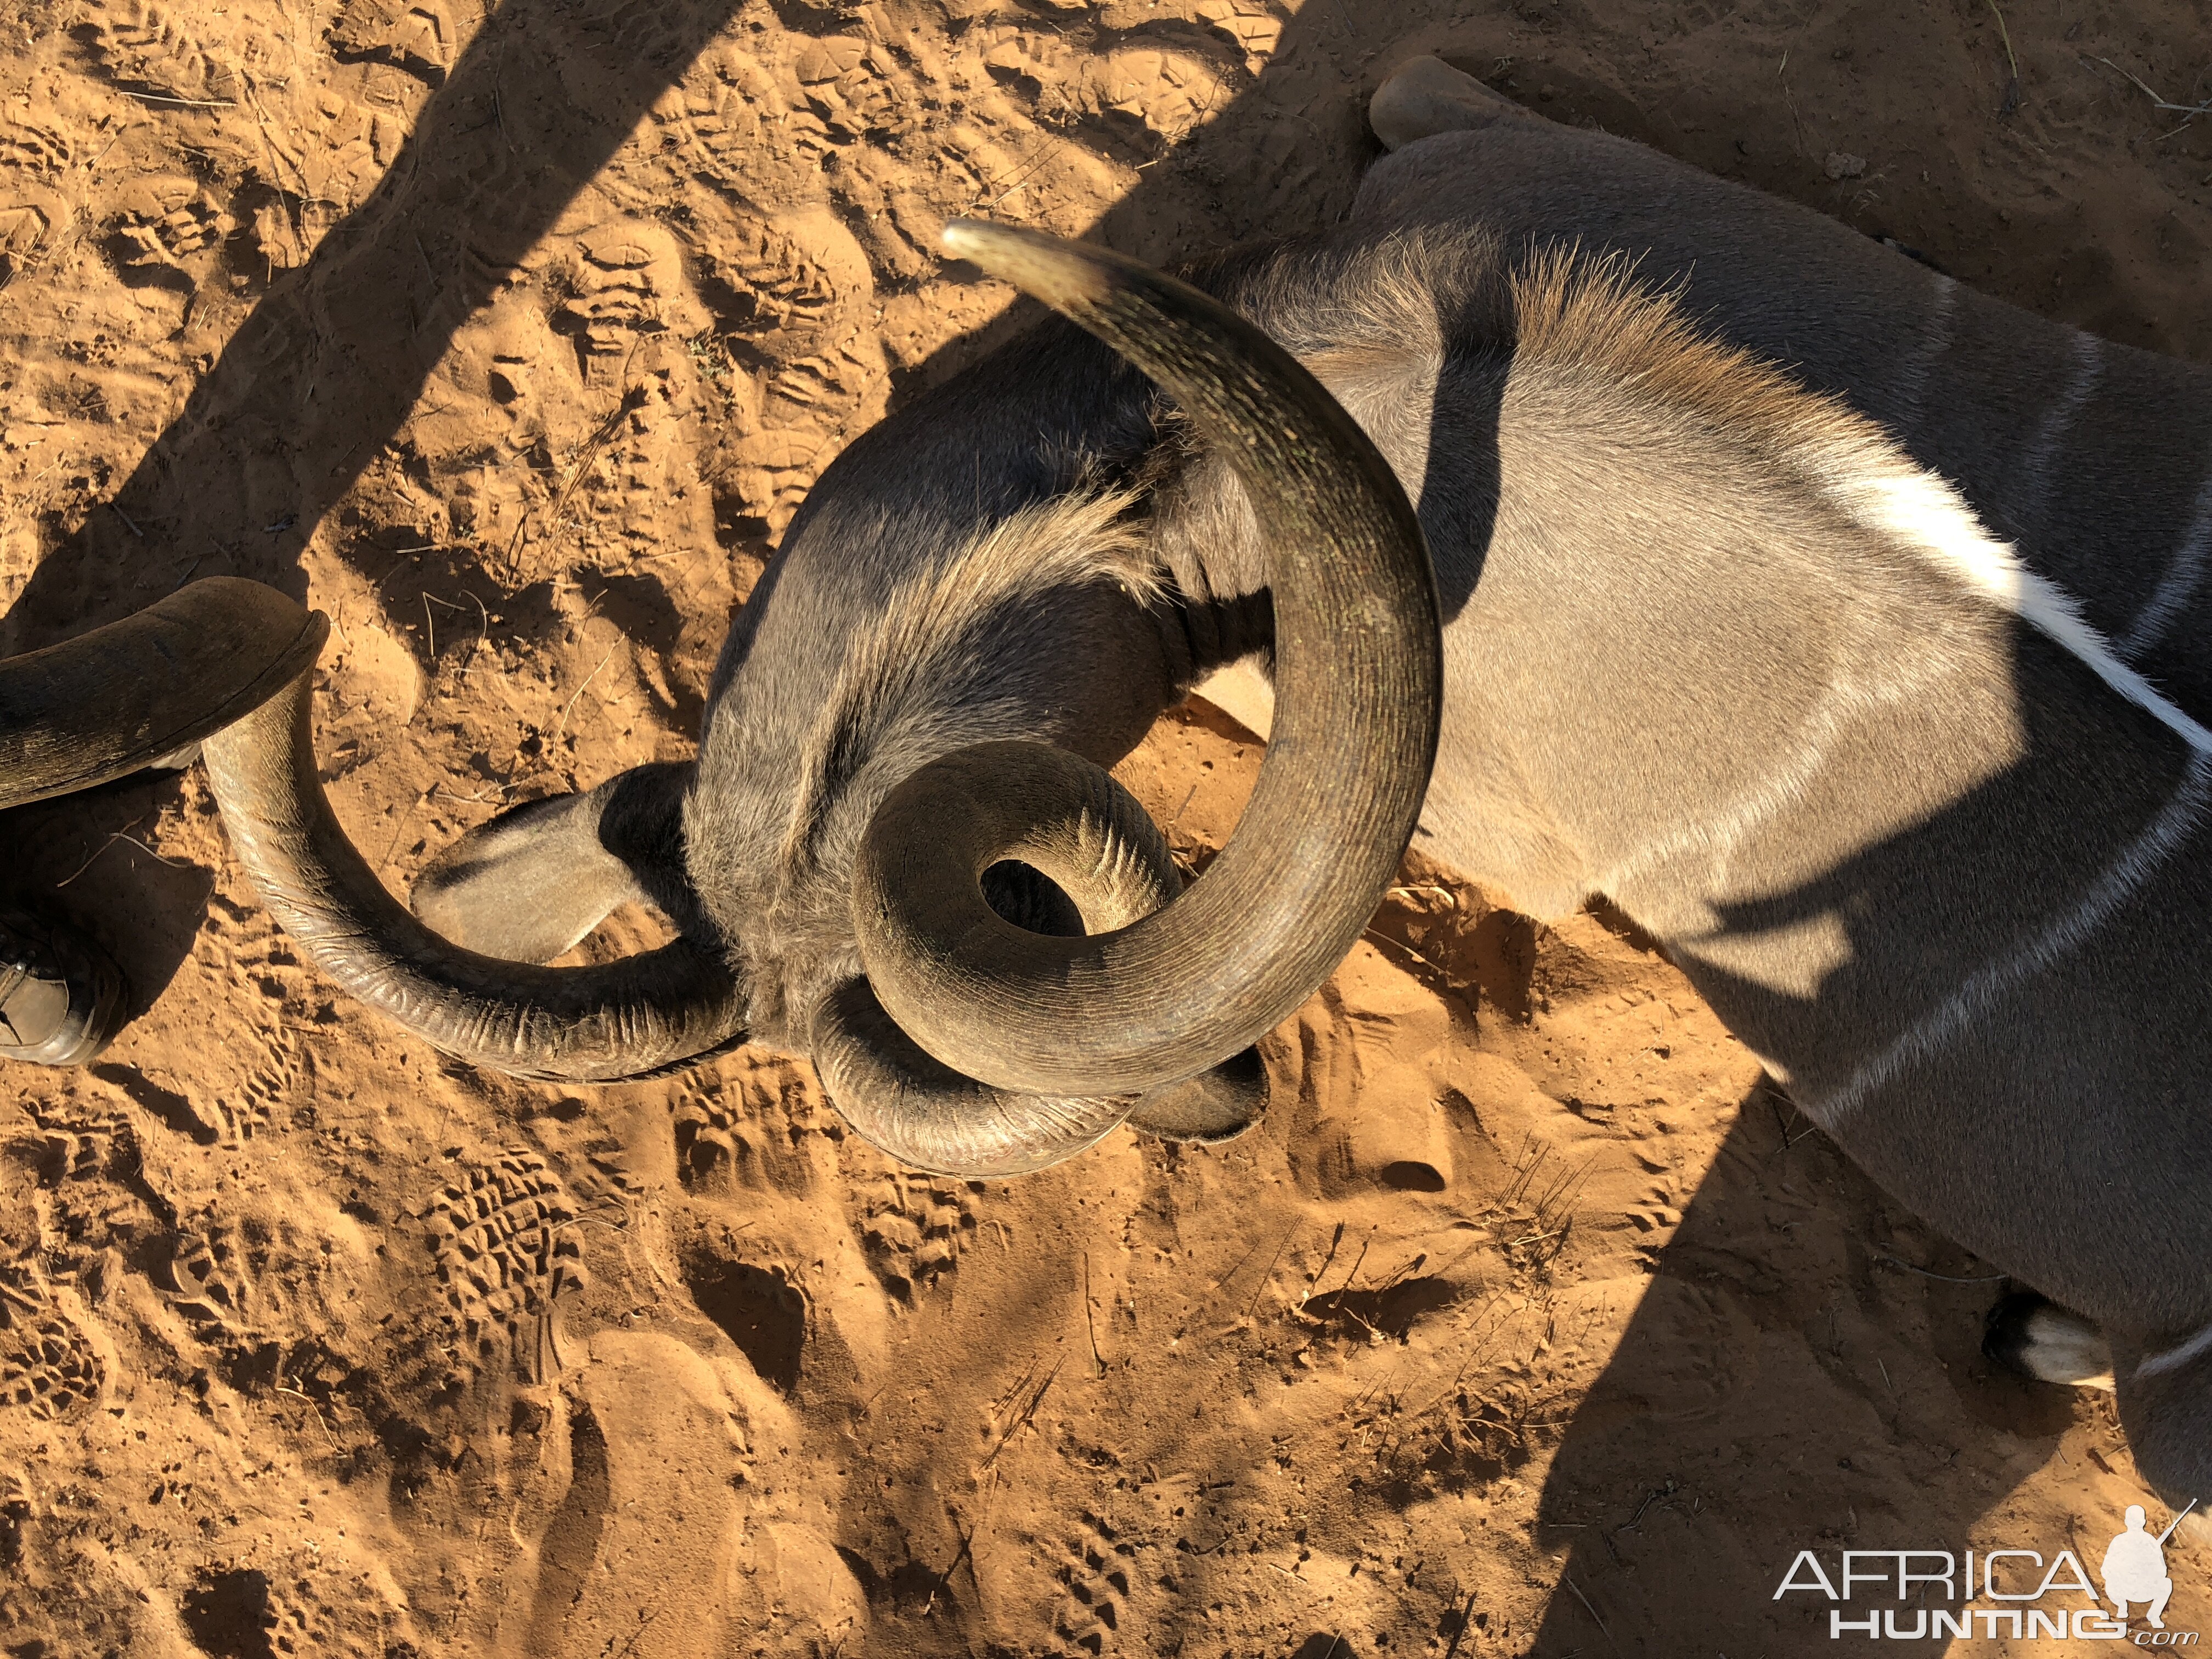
[1841,782]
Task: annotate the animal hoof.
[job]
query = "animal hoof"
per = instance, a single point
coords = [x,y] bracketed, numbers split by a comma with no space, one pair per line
[2032,1336]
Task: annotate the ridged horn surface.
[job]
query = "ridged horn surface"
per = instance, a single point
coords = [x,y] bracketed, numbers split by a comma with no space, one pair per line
[1358,681]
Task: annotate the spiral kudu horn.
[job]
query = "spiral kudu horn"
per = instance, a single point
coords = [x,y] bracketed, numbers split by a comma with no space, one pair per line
[1106,861]
[594,1024]
[107,702]
[1359,677]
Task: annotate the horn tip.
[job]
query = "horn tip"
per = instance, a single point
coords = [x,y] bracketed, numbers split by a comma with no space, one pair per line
[960,236]
[1062,274]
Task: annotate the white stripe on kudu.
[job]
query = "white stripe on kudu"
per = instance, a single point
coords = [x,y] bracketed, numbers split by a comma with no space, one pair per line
[2179,586]
[1936,339]
[1987,984]
[2178,1356]
[2040,461]
[1923,511]
[2017,401]
[1919,511]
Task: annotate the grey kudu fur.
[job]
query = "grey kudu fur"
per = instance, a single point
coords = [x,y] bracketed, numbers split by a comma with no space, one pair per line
[1841,625]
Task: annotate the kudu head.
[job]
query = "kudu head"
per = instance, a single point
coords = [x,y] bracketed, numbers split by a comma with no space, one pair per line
[980,938]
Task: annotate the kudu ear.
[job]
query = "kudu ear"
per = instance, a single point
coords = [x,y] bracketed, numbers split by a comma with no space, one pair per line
[534,881]
[1426,96]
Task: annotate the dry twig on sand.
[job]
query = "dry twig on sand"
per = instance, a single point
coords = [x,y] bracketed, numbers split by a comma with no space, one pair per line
[2012,86]
[2188,111]
[1029,1409]
[1098,1365]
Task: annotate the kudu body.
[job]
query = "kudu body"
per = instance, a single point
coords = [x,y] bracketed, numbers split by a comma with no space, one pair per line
[1813,616]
